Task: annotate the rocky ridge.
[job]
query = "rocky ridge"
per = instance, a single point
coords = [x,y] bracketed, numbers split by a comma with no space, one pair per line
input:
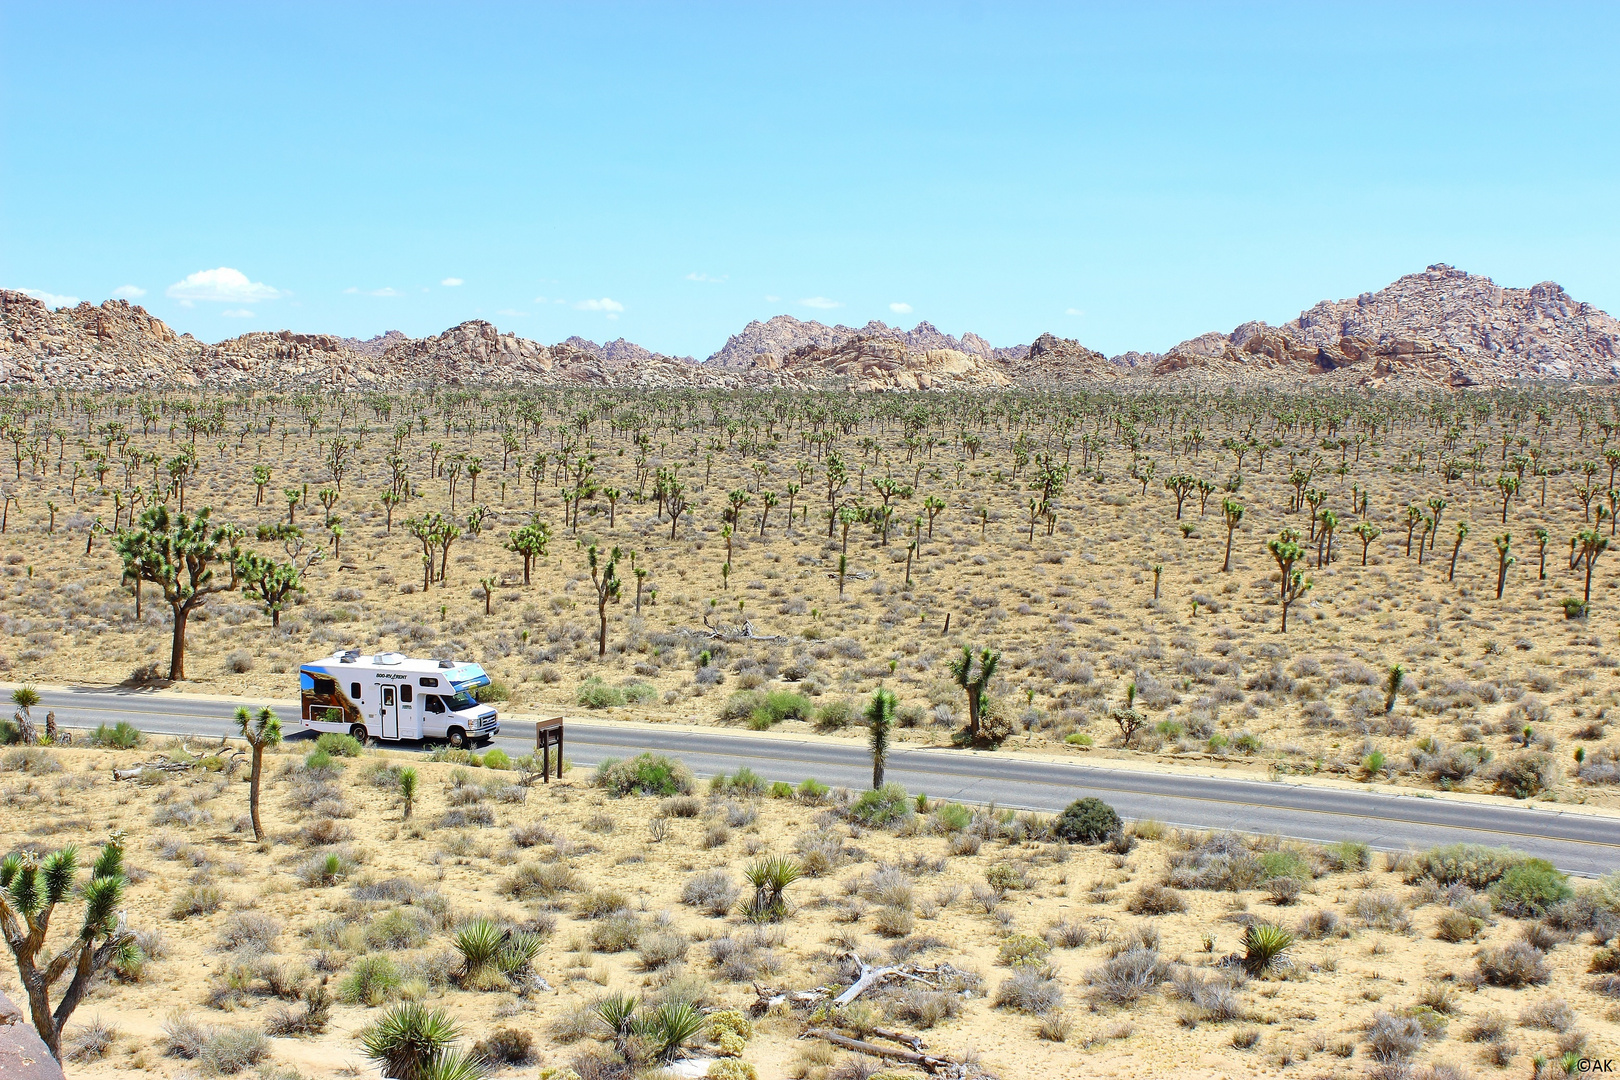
[1440,327]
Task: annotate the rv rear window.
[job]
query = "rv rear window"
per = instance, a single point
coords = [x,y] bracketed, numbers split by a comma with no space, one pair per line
[405,693]
[428,681]
[325,686]
[354,690]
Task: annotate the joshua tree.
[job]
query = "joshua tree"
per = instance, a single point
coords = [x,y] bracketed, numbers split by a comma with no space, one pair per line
[1232,511]
[487,584]
[1592,544]
[261,480]
[1503,561]
[1509,487]
[605,577]
[843,568]
[1327,521]
[974,685]
[179,554]
[1462,531]
[407,790]
[1286,551]
[1368,533]
[530,542]
[1392,686]
[260,729]
[1542,536]
[31,888]
[879,722]
[25,697]
[1180,485]
[1414,514]
[1158,569]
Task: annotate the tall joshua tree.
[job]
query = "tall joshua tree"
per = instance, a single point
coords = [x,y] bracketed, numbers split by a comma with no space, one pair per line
[1368,533]
[1232,511]
[973,685]
[1287,551]
[31,889]
[260,729]
[605,577]
[180,554]
[1462,532]
[1504,559]
[879,722]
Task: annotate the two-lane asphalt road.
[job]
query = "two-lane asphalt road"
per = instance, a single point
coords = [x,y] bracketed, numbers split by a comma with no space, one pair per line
[1581,843]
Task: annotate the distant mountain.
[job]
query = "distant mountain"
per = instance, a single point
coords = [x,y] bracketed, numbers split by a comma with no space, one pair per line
[1443,326]
[765,344]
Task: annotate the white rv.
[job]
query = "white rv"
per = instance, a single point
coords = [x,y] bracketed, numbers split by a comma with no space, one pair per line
[390,696]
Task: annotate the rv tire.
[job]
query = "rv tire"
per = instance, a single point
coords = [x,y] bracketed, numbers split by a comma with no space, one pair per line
[458,739]
[358,731]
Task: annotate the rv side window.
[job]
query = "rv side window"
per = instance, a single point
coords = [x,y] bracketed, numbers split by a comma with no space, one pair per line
[326,687]
[426,681]
[354,691]
[431,703]
[405,693]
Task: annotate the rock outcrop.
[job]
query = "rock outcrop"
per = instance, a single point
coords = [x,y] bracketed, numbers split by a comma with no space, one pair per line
[882,363]
[767,344]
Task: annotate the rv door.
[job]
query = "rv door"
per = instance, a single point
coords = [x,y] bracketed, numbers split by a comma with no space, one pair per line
[388,714]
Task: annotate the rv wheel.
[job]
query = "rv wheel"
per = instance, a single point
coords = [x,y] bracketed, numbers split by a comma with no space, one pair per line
[358,731]
[458,739]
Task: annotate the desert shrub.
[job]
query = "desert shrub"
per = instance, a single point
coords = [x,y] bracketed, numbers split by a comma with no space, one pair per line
[1529,889]
[250,932]
[228,1051]
[952,818]
[1455,926]
[660,949]
[1156,900]
[1285,863]
[1346,855]
[645,774]
[497,758]
[1321,923]
[1087,821]
[1023,950]
[1127,976]
[1382,911]
[1524,775]
[1513,965]
[1221,862]
[506,1046]
[533,880]
[744,957]
[883,806]
[596,694]
[200,899]
[1029,991]
[372,981]
[922,1007]
[1216,999]
[894,922]
[91,1041]
[400,928]
[1474,865]
[683,806]
[835,715]
[120,736]
[616,933]
[339,745]
[1548,1014]
[711,891]
[1393,1038]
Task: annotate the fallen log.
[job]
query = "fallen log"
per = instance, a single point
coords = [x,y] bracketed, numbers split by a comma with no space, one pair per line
[871,976]
[928,1062]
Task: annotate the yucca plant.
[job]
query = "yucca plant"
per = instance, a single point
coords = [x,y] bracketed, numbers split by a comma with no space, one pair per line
[670,1027]
[455,1065]
[617,1014]
[1264,944]
[408,1039]
[519,951]
[770,878]
[482,943]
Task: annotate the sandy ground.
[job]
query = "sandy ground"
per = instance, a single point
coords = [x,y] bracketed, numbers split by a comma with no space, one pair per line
[1073,613]
[884,892]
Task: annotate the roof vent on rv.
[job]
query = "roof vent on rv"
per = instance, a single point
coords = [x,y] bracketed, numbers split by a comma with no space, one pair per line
[349,656]
[446,664]
[389,659]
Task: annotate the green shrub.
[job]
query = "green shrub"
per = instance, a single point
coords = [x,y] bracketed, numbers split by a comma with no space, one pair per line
[1023,950]
[319,760]
[339,745]
[887,804]
[495,691]
[746,782]
[1527,890]
[596,694]
[1474,865]
[10,733]
[781,790]
[813,790]
[953,817]
[1285,864]
[122,735]
[1078,738]
[1346,855]
[776,706]
[835,715]
[637,692]
[741,705]
[497,759]
[644,774]
[1248,743]
[1087,821]
[372,981]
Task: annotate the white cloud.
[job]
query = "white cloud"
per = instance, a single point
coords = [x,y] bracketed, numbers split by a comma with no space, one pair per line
[50,300]
[386,290]
[900,308]
[771,299]
[236,313]
[707,277]
[222,285]
[1073,311]
[604,304]
[452,282]
[820,302]
[129,292]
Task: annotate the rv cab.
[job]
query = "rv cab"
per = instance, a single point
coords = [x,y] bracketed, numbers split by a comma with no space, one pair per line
[392,696]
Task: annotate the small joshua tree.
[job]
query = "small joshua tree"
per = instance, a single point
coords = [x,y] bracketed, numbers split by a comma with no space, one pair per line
[879,722]
[1368,533]
[1286,550]
[31,888]
[1542,536]
[260,729]
[407,790]
[1462,532]
[974,685]
[605,577]
[1504,559]
[1592,544]
[1392,686]
[25,698]
[1232,511]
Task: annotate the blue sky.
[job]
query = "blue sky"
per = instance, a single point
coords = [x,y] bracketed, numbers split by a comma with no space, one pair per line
[1129,175]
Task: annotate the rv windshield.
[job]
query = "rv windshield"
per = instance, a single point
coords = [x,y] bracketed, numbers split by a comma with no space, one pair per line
[459,701]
